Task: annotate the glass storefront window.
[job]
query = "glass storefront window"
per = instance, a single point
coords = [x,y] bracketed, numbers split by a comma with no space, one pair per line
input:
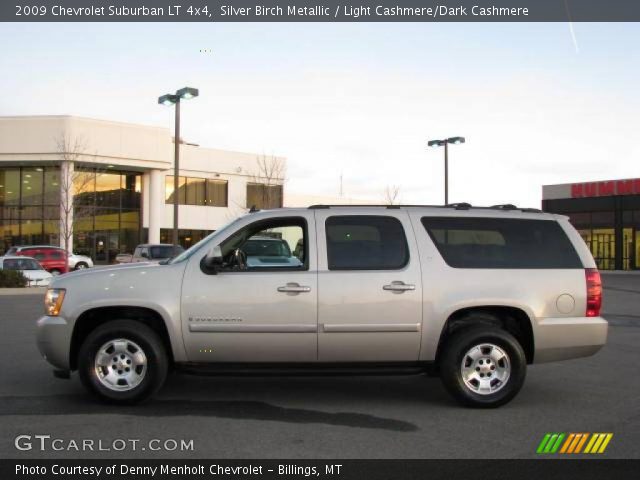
[182,191]
[108,189]
[84,187]
[131,190]
[198,191]
[51,186]
[32,183]
[30,209]
[637,259]
[603,248]
[217,191]
[10,186]
[186,238]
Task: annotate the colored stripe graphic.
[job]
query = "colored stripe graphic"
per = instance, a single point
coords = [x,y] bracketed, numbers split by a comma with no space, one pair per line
[543,443]
[567,442]
[598,442]
[581,442]
[573,443]
[550,443]
[556,446]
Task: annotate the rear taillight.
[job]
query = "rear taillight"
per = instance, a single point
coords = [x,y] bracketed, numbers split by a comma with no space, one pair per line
[594,292]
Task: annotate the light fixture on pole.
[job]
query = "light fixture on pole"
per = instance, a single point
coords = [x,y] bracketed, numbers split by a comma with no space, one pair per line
[445,143]
[169,99]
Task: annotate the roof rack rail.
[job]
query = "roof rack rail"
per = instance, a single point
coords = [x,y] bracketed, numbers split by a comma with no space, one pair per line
[456,206]
[459,206]
[531,210]
[392,207]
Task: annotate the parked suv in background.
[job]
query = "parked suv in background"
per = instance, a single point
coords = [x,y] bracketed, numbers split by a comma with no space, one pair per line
[52,259]
[473,295]
[150,252]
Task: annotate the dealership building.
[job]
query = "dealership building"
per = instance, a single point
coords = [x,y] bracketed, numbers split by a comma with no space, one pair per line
[607,215]
[109,186]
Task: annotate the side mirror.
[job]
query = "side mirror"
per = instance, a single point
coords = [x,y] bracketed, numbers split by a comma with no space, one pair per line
[213,260]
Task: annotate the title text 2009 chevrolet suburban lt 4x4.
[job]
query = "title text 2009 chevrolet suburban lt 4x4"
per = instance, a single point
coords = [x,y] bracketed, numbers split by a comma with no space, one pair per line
[471,294]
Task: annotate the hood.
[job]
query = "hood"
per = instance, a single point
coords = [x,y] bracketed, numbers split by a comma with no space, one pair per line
[109,273]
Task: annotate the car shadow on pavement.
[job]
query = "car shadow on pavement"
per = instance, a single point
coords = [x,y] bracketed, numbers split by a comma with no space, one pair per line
[242,409]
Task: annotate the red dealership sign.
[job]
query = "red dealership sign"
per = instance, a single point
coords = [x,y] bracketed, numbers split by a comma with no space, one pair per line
[606,189]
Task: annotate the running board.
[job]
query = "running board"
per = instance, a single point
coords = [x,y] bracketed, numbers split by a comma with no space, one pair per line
[303,370]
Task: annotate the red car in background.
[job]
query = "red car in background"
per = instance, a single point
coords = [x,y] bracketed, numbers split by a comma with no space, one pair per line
[52,259]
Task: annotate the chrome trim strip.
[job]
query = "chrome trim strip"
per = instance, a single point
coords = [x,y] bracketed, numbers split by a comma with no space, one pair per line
[368,327]
[268,328]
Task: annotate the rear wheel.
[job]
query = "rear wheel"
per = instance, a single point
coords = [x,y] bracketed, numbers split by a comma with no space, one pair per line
[483,366]
[123,361]
[81,266]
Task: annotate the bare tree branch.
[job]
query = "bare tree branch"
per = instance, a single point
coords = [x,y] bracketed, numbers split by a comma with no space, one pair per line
[73,184]
[271,176]
[392,194]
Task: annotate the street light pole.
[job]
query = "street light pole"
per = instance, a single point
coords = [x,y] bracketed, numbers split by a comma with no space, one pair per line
[445,143]
[174,99]
[176,174]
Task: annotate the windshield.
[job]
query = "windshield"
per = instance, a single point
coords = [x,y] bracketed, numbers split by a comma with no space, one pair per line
[21,264]
[190,251]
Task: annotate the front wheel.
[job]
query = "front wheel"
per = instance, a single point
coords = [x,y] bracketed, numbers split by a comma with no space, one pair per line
[483,366]
[81,266]
[123,361]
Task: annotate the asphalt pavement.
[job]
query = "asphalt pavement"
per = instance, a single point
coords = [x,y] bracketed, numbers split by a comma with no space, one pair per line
[322,417]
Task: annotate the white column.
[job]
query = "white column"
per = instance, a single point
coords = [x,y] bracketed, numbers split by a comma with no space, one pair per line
[66,205]
[156,204]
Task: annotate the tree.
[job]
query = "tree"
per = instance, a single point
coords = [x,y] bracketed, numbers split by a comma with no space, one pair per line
[73,184]
[392,194]
[267,183]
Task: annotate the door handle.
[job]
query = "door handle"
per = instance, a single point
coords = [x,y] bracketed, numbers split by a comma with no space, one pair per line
[294,288]
[398,287]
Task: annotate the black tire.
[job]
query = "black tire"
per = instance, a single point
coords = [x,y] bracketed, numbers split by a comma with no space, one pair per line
[150,343]
[81,266]
[455,350]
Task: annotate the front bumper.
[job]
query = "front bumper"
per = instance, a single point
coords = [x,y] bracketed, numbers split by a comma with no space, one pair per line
[53,336]
[566,338]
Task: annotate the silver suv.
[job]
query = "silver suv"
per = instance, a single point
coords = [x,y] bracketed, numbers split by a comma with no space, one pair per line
[473,295]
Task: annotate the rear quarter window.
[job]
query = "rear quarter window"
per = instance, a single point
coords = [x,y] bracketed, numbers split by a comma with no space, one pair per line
[501,243]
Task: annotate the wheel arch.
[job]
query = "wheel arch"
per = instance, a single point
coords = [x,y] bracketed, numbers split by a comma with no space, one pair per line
[93,318]
[509,318]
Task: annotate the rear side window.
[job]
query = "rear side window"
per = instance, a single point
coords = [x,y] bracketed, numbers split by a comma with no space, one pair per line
[55,254]
[365,243]
[501,243]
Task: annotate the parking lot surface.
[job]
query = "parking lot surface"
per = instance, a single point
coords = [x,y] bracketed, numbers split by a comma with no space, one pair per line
[325,417]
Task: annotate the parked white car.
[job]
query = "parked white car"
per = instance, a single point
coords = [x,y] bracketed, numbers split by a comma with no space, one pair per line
[79,262]
[30,268]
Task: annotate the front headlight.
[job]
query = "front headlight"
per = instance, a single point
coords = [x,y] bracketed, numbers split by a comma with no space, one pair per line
[53,301]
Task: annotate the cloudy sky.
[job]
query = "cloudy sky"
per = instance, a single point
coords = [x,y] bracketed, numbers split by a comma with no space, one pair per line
[536,105]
